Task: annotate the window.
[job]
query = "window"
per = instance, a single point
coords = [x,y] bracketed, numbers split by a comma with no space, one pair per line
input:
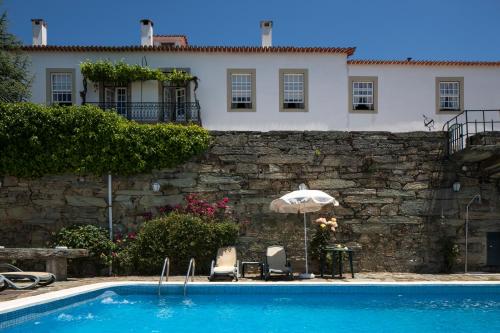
[116,98]
[449,94]
[241,89]
[121,100]
[363,93]
[293,89]
[60,86]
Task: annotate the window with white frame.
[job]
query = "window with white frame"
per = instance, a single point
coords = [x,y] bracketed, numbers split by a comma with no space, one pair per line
[241,89]
[293,91]
[121,100]
[449,95]
[61,88]
[362,95]
[363,92]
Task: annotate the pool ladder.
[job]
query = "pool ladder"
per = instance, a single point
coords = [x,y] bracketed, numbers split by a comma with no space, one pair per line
[164,272]
[191,269]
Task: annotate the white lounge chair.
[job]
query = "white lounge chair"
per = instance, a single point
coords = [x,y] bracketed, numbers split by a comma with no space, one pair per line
[225,264]
[277,263]
[3,284]
[11,274]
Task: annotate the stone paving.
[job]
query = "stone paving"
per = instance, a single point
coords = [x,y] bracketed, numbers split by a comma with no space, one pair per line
[360,277]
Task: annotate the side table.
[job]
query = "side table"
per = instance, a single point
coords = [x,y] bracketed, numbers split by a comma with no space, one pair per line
[244,264]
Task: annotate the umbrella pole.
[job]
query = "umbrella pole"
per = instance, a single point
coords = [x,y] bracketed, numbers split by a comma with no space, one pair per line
[306,275]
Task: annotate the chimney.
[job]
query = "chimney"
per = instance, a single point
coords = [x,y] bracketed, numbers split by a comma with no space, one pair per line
[266,29]
[39,27]
[146,32]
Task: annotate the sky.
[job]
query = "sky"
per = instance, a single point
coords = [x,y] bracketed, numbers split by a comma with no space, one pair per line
[380,29]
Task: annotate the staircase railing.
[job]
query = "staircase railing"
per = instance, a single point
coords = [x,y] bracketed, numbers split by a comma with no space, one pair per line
[469,123]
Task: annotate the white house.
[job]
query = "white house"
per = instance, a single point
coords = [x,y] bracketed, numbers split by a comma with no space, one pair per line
[269,87]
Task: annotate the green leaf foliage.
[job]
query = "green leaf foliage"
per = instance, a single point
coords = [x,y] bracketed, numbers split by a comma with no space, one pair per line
[123,73]
[37,140]
[15,80]
[180,237]
[89,237]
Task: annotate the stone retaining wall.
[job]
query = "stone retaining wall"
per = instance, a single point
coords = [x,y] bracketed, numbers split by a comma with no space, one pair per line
[396,202]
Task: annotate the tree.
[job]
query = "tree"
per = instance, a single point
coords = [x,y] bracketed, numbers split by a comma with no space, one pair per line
[15,80]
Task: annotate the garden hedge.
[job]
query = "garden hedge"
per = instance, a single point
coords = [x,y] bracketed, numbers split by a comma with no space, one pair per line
[36,140]
[180,237]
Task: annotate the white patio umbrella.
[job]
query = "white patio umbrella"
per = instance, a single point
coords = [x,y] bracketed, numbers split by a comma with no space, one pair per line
[303,201]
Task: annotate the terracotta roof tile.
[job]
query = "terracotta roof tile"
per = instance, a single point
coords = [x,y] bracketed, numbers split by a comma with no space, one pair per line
[422,62]
[183,38]
[201,49]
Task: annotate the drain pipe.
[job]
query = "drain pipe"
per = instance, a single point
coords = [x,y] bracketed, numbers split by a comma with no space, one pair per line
[110,214]
[478,197]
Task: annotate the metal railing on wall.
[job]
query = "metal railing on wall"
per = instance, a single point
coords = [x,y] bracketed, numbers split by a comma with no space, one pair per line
[468,123]
[153,112]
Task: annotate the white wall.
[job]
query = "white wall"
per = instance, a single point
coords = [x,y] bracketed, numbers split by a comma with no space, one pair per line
[405,92]
[327,86]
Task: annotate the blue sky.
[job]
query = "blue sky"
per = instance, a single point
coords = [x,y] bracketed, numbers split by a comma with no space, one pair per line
[380,29]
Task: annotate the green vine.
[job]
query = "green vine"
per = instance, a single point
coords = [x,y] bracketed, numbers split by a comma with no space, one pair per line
[123,73]
[37,140]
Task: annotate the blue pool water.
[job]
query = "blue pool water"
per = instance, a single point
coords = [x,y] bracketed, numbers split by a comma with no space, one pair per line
[290,309]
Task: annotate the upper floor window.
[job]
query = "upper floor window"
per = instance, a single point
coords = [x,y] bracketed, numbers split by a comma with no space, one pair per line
[449,94]
[293,89]
[241,89]
[60,86]
[363,93]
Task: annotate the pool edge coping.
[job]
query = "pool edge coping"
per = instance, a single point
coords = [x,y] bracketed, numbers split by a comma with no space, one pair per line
[18,304]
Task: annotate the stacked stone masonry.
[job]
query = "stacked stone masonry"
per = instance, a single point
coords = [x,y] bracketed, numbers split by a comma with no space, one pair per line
[395,193]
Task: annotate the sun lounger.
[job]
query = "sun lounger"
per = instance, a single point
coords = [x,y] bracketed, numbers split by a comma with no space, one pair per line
[9,284]
[3,283]
[13,274]
[277,263]
[225,264]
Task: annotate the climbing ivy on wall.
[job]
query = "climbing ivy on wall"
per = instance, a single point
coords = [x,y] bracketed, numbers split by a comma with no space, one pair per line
[123,73]
[36,140]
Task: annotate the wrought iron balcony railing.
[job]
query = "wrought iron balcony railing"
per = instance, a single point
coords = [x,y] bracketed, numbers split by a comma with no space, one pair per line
[153,112]
[468,123]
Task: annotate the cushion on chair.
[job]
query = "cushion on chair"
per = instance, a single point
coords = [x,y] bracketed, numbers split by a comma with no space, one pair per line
[224,269]
[226,256]
[276,258]
[21,275]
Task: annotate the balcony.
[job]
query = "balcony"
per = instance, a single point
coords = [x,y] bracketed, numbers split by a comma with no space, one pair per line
[154,112]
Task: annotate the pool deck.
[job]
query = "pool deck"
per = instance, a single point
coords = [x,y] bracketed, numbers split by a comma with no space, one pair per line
[365,278]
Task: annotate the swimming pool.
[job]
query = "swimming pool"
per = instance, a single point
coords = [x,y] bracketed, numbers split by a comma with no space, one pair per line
[266,308]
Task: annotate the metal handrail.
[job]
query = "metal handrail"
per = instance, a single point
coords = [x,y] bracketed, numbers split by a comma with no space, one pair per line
[469,123]
[192,265]
[153,112]
[166,265]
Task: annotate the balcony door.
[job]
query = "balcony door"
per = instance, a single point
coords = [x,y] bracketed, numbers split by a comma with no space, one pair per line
[175,102]
[116,98]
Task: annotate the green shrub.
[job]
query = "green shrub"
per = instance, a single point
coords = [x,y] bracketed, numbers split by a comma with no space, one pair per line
[179,236]
[36,140]
[450,251]
[89,237]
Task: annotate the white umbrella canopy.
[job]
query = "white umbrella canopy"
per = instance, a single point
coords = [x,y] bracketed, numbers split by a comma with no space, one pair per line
[303,201]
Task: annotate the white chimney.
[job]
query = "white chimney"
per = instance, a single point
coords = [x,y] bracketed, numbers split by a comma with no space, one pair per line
[146,32]
[39,28]
[266,29]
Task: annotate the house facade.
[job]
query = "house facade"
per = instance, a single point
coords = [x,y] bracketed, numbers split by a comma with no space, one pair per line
[268,88]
